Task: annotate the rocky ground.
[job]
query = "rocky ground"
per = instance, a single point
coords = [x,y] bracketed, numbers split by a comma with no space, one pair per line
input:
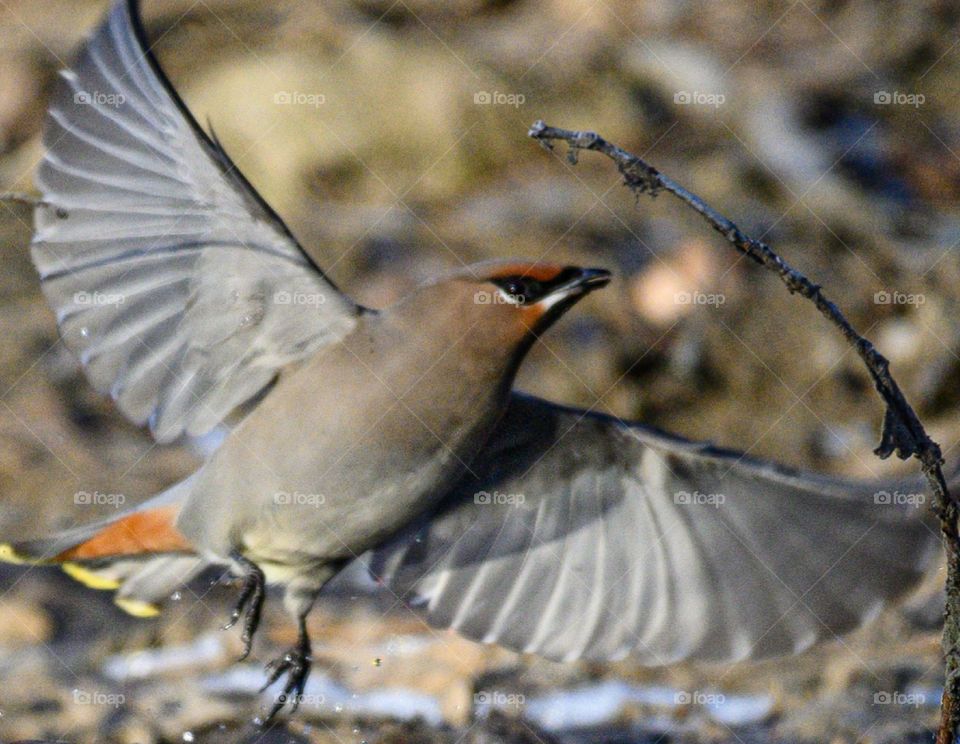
[392,138]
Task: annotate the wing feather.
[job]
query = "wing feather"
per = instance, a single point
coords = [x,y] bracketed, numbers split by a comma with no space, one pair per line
[172,280]
[628,540]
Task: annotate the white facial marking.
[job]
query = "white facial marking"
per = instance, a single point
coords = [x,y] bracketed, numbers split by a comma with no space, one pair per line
[552,299]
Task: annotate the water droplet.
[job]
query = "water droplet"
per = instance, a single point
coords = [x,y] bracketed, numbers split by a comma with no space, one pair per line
[84,331]
[176,596]
[188,736]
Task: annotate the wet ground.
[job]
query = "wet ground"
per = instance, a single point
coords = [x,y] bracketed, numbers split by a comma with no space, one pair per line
[77,669]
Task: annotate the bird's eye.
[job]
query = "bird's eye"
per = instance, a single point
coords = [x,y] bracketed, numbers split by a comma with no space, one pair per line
[520,290]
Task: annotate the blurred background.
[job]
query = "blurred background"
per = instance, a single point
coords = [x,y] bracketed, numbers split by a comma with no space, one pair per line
[391,135]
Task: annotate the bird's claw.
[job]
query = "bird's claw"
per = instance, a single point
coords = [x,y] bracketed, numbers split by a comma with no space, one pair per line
[251,598]
[296,664]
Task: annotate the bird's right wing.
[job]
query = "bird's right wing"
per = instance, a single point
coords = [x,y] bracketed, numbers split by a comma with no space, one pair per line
[583,536]
[180,290]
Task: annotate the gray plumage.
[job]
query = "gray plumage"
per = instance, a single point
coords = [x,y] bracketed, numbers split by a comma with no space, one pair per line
[585,536]
[172,281]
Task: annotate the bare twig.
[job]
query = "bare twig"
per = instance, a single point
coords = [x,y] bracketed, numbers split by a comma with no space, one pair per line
[902,431]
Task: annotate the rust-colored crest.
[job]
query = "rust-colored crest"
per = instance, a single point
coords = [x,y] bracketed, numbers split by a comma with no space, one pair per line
[541,271]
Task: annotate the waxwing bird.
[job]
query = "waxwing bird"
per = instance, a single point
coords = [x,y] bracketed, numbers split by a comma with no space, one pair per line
[394,435]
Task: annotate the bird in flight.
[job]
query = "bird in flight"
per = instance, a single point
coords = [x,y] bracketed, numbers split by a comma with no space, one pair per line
[394,437]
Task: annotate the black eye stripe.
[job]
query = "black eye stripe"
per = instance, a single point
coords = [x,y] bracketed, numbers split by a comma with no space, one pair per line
[530,289]
[523,288]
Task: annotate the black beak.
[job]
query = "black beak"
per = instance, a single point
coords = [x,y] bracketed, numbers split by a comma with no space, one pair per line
[567,289]
[582,281]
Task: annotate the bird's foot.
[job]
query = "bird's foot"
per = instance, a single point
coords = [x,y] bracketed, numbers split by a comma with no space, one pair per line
[251,598]
[296,664]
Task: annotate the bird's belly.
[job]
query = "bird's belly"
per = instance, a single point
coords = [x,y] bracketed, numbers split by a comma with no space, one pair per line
[309,499]
[339,521]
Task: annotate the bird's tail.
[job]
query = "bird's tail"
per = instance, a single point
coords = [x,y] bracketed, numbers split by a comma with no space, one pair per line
[139,554]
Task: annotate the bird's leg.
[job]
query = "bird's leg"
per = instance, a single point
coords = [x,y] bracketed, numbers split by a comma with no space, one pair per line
[300,594]
[295,663]
[251,597]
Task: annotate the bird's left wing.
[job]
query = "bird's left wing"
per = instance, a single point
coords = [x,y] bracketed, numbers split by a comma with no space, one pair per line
[583,536]
[180,290]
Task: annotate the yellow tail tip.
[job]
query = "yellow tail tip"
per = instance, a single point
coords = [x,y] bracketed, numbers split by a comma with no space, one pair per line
[136,607]
[89,578]
[9,555]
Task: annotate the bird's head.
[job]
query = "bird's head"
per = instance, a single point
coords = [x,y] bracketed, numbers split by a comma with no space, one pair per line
[531,296]
[511,303]
[463,336]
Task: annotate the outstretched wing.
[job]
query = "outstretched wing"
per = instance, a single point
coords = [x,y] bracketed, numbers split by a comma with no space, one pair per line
[582,536]
[180,290]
